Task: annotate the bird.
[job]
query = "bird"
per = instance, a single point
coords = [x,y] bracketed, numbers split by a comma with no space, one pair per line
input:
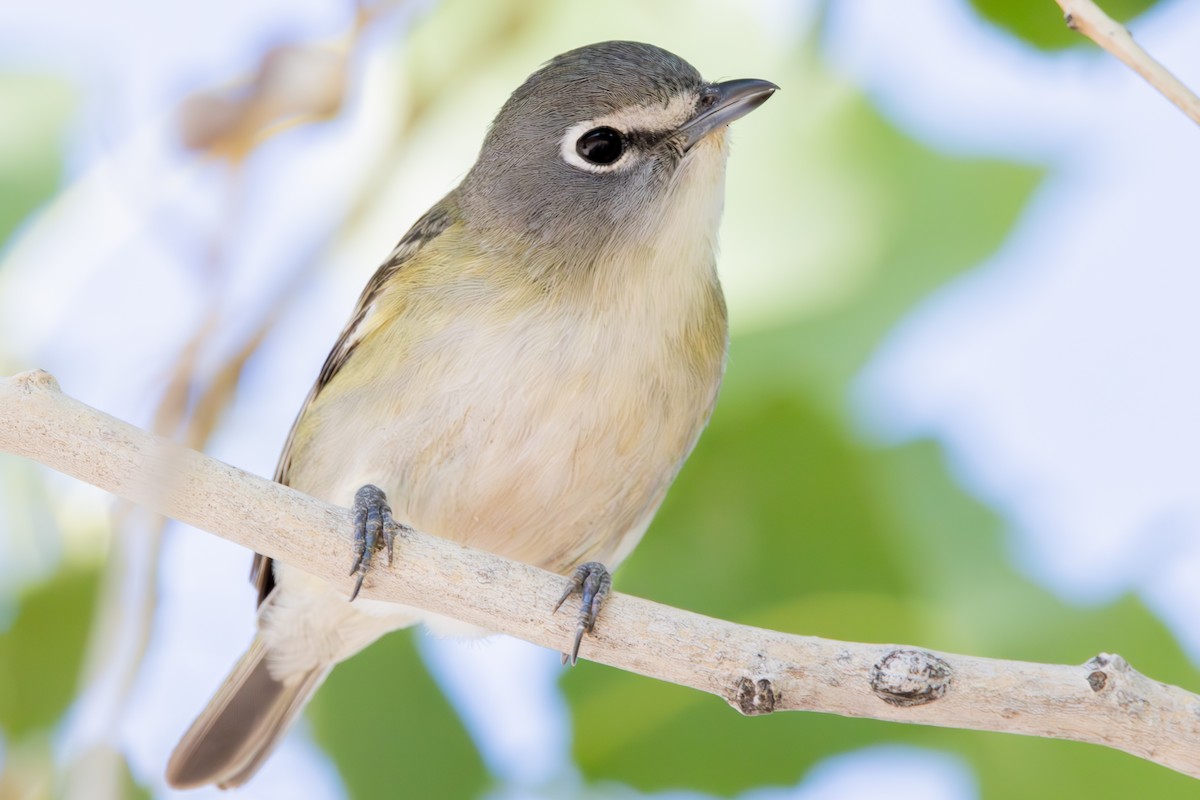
[525,373]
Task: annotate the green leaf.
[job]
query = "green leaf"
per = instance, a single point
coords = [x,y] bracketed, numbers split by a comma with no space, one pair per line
[389,729]
[41,653]
[1040,22]
[33,112]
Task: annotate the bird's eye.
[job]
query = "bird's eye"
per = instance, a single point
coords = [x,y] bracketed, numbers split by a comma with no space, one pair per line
[601,145]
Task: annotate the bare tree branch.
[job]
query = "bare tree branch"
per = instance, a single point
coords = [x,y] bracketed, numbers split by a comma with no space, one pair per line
[1087,18]
[757,671]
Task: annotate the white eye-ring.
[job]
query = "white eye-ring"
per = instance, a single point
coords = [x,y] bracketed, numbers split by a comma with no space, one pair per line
[594,148]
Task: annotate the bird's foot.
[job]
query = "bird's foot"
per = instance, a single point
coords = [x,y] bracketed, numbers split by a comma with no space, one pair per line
[373,528]
[593,583]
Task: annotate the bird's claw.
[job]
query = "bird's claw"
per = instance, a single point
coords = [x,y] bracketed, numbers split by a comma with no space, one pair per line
[593,583]
[373,526]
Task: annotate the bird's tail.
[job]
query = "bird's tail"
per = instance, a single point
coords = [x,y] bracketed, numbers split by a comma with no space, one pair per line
[242,724]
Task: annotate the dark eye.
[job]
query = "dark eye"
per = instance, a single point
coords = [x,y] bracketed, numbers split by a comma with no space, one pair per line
[601,145]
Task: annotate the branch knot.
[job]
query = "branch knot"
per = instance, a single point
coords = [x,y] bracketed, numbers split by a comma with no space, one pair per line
[1103,669]
[754,698]
[910,678]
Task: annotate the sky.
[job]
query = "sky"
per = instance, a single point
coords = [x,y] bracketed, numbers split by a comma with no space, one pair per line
[1054,374]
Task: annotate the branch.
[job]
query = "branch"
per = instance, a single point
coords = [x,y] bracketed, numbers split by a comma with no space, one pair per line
[1087,18]
[757,671]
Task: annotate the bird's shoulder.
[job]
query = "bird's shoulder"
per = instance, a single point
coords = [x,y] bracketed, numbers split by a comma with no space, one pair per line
[428,228]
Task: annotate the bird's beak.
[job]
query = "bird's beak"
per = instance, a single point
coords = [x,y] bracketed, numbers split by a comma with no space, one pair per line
[722,103]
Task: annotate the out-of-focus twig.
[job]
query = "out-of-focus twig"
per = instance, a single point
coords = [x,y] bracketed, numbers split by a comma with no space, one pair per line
[121,620]
[295,84]
[1087,18]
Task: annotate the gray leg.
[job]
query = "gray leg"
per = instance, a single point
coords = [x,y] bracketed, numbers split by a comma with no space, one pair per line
[593,583]
[373,527]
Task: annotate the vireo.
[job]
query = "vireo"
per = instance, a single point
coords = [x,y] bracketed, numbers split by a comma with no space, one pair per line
[525,373]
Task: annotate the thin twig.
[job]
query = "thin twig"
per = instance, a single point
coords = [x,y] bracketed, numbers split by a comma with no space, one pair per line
[1087,18]
[756,671]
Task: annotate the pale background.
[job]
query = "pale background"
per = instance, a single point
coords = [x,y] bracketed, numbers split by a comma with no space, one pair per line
[1056,372]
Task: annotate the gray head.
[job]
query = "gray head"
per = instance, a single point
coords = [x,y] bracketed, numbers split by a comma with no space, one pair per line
[591,142]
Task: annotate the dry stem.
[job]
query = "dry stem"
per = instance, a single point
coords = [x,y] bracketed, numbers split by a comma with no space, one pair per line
[1087,18]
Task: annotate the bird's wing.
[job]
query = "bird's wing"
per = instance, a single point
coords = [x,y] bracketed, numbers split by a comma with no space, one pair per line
[426,229]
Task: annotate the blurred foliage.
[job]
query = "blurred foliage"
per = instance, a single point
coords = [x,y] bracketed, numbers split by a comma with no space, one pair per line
[41,652]
[384,722]
[783,517]
[33,112]
[1040,22]
[44,628]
